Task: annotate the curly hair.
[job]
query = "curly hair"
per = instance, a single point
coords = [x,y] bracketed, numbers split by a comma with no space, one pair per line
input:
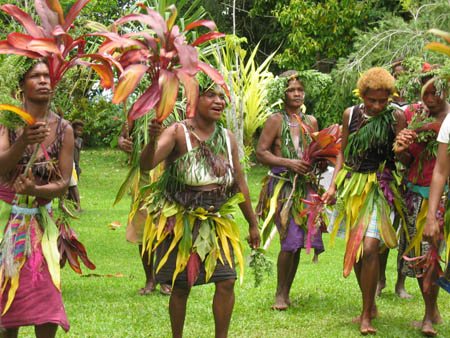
[376,78]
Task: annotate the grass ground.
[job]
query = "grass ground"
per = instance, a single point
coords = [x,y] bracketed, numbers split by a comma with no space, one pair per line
[323,301]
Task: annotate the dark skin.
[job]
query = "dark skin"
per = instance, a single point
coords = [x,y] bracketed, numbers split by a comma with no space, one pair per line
[37,96]
[125,142]
[438,107]
[268,152]
[170,144]
[366,269]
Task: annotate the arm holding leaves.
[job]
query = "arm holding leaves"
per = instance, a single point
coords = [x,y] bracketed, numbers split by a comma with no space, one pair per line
[440,174]
[125,141]
[404,138]
[11,154]
[246,206]
[26,185]
[268,139]
[328,196]
[161,145]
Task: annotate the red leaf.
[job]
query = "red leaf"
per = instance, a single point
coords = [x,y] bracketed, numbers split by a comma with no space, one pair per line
[153,19]
[207,37]
[44,46]
[104,71]
[188,57]
[354,241]
[19,40]
[206,23]
[168,84]
[25,19]
[128,82]
[73,13]
[435,126]
[49,19]
[146,102]
[6,48]
[55,6]
[191,90]
[133,56]
[193,268]
[215,76]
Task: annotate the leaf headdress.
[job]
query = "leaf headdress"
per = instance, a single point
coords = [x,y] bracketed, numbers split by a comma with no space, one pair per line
[313,81]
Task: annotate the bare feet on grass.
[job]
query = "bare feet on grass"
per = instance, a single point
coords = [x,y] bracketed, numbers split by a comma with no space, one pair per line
[165,289]
[426,325]
[373,315]
[281,303]
[366,327]
[315,259]
[401,292]
[147,289]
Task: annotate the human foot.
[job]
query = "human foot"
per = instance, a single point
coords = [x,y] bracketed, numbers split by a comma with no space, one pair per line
[427,328]
[366,327]
[280,304]
[401,292]
[380,286]
[315,259]
[147,289]
[373,315]
[165,289]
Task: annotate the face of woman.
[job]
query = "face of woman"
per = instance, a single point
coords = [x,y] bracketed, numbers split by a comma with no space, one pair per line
[36,86]
[431,98]
[295,94]
[375,101]
[211,104]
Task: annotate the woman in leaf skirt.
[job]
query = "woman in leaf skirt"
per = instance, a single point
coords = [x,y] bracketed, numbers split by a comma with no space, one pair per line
[30,271]
[365,185]
[424,120]
[190,208]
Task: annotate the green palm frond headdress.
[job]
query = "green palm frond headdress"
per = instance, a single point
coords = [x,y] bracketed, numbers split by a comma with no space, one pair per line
[313,81]
[416,70]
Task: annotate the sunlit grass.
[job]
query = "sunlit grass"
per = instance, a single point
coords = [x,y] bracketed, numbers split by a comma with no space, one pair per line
[323,301]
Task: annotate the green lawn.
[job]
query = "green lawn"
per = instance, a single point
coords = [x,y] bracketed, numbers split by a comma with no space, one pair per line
[323,301]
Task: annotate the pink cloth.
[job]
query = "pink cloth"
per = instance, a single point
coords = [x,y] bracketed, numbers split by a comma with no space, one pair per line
[37,301]
[423,177]
[34,303]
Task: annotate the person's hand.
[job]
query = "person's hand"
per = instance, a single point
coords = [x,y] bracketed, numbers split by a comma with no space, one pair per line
[154,129]
[36,133]
[404,139]
[431,232]
[254,239]
[328,196]
[126,144]
[25,184]
[299,166]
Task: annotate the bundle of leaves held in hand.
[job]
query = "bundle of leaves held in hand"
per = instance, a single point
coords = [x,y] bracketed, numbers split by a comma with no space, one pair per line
[260,265]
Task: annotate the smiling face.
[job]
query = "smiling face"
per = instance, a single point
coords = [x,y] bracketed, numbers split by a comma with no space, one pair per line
[295,94]
[36,85]
[211,104]
[375,101]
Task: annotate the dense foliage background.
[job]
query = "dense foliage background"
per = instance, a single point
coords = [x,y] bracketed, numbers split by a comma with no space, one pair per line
[325,35]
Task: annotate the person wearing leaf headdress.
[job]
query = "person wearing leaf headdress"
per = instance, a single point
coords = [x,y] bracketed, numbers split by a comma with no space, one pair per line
[136,130]
[367,189]
[419,139]
[282,144]
[190,208]
[30,270]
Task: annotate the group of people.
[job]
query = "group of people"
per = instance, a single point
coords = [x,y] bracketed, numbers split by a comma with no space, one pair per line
[185,212]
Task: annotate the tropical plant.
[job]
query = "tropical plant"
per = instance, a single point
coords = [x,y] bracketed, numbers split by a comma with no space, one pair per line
[247,82]
[52,41]
[161,53]
[393,37]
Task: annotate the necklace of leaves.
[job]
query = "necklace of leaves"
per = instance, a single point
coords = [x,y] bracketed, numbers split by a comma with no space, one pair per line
[372,133]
